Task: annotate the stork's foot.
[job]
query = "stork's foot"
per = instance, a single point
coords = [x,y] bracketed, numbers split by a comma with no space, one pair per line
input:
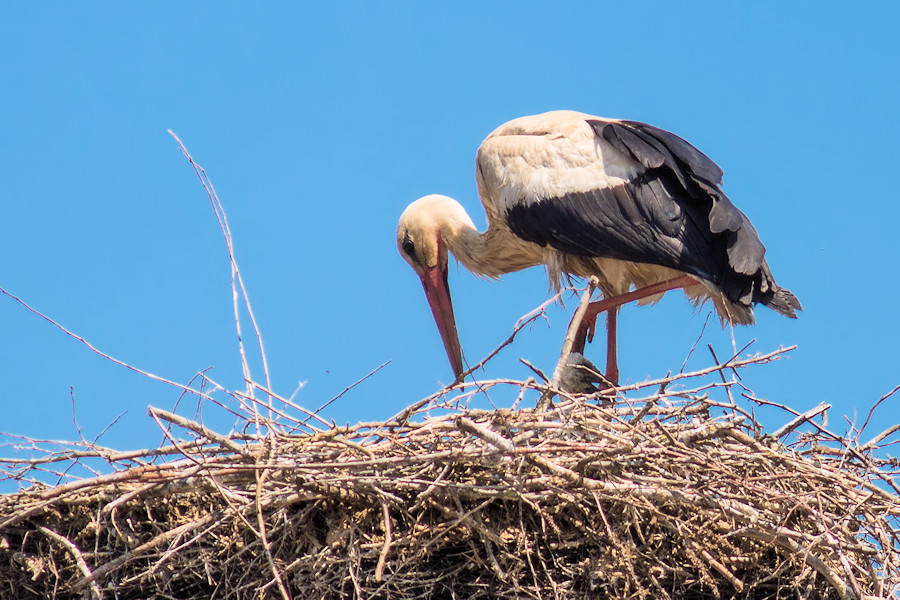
[588,326]
[610,306]
[585,334]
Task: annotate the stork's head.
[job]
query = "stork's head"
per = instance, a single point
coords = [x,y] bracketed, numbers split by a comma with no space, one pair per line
[421,239]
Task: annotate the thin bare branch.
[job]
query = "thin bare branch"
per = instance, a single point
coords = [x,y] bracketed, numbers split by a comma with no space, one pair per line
[99,352]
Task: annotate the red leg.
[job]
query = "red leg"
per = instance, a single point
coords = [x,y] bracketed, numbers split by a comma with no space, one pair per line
[611,305]
[612,360]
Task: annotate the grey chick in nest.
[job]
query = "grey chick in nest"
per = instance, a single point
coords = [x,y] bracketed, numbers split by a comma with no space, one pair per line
[581,376]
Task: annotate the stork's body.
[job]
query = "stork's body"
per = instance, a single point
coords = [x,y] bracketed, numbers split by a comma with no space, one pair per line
[626,202]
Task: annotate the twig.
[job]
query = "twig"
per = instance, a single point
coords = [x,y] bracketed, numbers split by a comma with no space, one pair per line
[731,364]
[876,405]
[574,325]
[235,271]
[526,385]
[519,326]
[100,353]
[697,341]
[535,370]
[347,389]
[166,536]
[722,376]
[843,591]
[877,439]
[379,568]
[261,477]
[799,420]
[723,570]
[79,559]
[569,341]
[291,404]
[199,429]
[491,437]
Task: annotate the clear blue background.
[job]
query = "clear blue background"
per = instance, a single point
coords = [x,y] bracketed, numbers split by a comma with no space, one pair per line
[318,125]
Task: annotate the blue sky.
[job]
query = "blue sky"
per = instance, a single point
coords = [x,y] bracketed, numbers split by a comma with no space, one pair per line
[318,125]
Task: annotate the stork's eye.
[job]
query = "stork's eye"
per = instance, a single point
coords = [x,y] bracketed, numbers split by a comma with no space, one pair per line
[408,247]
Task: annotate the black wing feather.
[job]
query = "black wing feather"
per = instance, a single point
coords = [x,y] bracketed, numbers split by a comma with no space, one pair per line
[746,254]
[674,214]
[698,163]
[620,222]
[645,149]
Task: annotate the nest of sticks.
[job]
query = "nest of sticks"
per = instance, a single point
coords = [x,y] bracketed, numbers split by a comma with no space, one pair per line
[662,492]
[663,489]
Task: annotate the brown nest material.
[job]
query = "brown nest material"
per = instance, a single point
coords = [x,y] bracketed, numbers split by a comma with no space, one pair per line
[667,495]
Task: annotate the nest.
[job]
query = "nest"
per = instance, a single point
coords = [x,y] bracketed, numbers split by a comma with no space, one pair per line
[663,492]
[664,489]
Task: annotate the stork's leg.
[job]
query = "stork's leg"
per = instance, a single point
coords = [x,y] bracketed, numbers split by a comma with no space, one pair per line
[611,305]
[612,360]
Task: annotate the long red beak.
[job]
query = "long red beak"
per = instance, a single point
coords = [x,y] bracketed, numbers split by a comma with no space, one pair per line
[437,290]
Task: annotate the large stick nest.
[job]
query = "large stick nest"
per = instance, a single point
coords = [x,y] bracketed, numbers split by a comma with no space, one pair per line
[667,495]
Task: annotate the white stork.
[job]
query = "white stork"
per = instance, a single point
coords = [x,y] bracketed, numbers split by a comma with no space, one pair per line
[632,204]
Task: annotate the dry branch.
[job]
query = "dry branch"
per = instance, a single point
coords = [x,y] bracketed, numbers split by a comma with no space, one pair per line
[650,497]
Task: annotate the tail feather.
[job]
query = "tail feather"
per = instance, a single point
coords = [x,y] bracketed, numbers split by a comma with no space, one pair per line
[784,302]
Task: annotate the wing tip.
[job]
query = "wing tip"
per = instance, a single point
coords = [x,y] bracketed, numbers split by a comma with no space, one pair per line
[784,302]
